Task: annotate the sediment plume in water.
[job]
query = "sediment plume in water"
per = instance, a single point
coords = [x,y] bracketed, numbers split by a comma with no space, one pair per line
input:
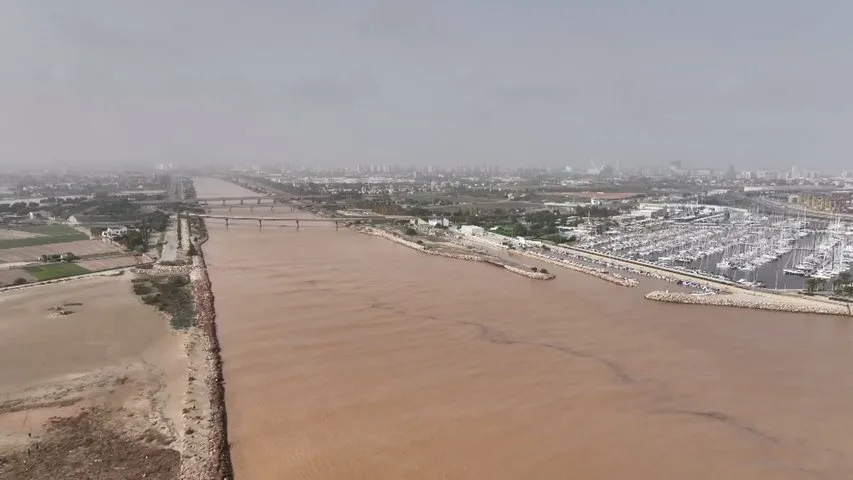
[348,356]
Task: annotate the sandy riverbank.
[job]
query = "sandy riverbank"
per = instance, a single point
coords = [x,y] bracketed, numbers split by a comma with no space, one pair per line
[536,275]
[91,385]
[154,401]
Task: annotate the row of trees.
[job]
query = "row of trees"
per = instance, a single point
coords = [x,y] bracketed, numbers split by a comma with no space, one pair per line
[842,285]
[59,257]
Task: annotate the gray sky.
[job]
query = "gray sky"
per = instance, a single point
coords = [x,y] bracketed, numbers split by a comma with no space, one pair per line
[757,83]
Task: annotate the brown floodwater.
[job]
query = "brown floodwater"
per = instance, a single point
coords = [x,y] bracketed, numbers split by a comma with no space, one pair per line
[350,357]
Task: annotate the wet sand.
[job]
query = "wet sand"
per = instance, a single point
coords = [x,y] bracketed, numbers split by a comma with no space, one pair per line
[111,354]
[348,356]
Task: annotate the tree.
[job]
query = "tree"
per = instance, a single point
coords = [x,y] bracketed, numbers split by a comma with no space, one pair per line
[844,278]
[811,285]
[848,290]
[20,281]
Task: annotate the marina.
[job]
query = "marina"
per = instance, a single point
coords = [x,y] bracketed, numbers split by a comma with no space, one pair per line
[754,250]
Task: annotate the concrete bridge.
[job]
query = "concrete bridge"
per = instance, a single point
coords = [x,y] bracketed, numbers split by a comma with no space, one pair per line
[257,200]
[801,210]
[336,220]
[251,206]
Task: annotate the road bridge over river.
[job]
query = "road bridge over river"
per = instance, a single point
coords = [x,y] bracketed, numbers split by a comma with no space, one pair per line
[298,220]
[794,209]
[246,200]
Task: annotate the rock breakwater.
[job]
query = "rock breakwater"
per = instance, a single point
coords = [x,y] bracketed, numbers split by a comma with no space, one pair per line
[601,273]
[529,274]
[536,275]
[761,302]
[207,457]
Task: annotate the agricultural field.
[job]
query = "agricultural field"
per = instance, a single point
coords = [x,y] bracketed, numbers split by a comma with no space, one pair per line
[55,270]
[8,277]
[38,235]
[81,248]
[8,234]
[109,263]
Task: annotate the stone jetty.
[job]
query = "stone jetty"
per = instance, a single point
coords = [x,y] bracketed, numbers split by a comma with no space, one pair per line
[536,275]
[601,273]
[777,303]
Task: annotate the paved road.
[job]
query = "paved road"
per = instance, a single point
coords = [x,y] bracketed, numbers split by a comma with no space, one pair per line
[170,241]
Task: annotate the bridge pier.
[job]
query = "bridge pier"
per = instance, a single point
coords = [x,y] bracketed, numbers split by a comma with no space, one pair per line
[223,203]
[226,222]
[291,207]
[272,209]
[251,209]
[259,201]
[297,224]
[241,201]
[229,209]
[336,224]
[260,223]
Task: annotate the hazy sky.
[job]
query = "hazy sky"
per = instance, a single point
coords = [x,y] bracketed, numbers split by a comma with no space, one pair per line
[757,83]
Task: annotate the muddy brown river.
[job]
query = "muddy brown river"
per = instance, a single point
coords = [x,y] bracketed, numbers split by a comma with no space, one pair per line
[350,357]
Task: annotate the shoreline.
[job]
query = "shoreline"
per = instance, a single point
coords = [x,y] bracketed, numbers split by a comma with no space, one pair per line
[577,267]
[459,256]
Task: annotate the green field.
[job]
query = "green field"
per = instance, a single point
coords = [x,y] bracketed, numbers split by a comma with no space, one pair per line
[51,234]
[55,270]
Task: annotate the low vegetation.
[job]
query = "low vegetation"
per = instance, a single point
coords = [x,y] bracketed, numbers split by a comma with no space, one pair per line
[48,234]
[198,229]
[56,270]
[89,445]
[170,294]
[59,257]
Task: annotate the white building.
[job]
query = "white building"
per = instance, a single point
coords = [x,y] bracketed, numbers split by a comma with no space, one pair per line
[114,232]
[472,230]
[649,210]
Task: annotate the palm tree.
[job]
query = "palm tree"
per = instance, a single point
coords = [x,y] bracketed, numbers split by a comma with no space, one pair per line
[811,285]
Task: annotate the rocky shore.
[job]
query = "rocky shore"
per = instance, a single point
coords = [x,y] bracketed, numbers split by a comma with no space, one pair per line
[536,275]
[529,274]
[206,455]
[579,267]
[761,302]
